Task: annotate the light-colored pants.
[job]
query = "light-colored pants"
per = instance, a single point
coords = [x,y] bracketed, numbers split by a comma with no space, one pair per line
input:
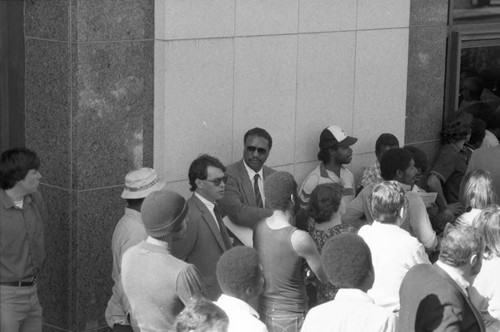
[20,310]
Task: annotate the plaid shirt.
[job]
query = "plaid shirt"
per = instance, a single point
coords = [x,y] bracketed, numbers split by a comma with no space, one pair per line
[371,175]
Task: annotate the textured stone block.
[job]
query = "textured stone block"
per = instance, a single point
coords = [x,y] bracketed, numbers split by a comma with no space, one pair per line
[112,107]
[47,108]
[95,214]
[429,12]
[426,76]
[96,20]
[53,279]
[46,19]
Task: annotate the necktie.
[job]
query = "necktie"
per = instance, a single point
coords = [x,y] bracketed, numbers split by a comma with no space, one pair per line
[258,197]
[222,228]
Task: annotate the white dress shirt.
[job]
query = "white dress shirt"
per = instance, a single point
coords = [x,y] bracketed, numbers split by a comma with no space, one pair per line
[394,251]
[242,317]
[251,175]
[351,310]
[210,206]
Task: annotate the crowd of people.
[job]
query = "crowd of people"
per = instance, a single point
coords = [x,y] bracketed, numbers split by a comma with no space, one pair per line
[411,247]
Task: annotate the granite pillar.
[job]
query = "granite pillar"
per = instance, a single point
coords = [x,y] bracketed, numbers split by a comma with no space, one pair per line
[89,115]
[426,74]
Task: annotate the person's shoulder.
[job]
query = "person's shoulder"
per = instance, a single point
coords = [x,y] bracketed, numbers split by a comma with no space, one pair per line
[235,168]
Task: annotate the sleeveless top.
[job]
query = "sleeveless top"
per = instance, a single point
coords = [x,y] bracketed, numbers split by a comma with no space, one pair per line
[285,289]
[326,291]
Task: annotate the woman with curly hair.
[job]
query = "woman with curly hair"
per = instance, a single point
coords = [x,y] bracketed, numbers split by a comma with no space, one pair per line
[450,164]
[485,292]
[324,223]
[476,193]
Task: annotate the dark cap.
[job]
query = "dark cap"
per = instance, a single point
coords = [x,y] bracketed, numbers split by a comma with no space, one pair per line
[335,136]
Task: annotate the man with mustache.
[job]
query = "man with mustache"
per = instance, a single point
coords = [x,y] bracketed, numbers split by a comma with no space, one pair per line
[206,236]
[335,152]
[244,199]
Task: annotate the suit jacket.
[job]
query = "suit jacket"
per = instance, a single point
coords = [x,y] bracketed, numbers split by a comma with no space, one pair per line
[239,197]
[432,301]
[203,244]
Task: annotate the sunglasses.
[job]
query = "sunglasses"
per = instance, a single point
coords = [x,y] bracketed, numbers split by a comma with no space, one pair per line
[254,148]
[218,181]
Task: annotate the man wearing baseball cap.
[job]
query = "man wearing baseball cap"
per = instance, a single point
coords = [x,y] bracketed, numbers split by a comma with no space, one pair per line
[158,285]
[335,151]
[128,232]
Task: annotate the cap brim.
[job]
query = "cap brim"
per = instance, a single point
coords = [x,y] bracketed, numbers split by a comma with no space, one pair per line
[126,194]
[348,141]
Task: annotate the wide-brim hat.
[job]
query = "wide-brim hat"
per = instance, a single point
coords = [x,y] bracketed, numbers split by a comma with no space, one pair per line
[335,136]
[140,183]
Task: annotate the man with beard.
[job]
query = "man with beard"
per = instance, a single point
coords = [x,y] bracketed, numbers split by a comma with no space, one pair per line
[206,236]
[335,152]
[435,297]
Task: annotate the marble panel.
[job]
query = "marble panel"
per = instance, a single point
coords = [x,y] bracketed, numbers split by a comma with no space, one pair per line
[426,78]
[53,279]
[95,213]
[325,88]
[112,107]
[188,19]
[290,168]
[50,328]
[196,106]
[46,19]
[380,86]
[383,14]
[326,15]
[265,92]
[429,12]
[263,17]
[47,108]
[112,20]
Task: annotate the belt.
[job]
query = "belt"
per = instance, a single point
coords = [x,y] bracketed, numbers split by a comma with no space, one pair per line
[19,283]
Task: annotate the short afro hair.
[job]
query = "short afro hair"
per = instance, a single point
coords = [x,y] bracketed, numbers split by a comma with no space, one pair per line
[394,160]
[259,132]
[279,188]
[325,201]
[386,139]
[419,157]
[238,269]
[347,260]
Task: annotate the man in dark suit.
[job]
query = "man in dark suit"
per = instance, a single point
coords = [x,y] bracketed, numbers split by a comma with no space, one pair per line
[244,199]
[435,297]
[206,236]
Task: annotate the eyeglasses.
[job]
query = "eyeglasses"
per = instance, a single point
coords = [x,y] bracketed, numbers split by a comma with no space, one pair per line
[254,148]
[218,181]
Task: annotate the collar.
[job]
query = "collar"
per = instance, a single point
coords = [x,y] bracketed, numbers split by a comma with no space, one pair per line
[157,242]
[208,204]
[237,304]
[351,294]
[7,201]
[134,214]
[251,172]
[460,280]
[324,173]
[378,224]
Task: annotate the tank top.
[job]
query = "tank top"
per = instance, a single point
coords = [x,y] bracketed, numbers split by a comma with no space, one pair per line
[282,267]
